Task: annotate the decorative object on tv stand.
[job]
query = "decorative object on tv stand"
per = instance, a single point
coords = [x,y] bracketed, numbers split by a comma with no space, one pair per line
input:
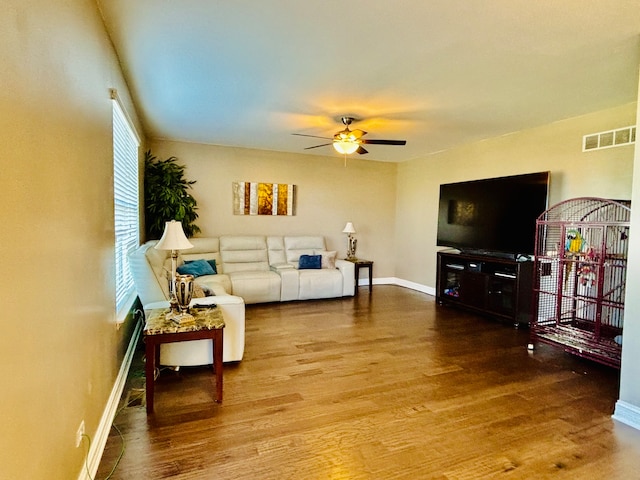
[173,239]
[352,242]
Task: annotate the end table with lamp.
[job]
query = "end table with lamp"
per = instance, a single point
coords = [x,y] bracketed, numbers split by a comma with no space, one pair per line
[208,323]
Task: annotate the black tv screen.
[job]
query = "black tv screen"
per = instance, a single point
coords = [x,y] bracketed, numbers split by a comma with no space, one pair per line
[494,215]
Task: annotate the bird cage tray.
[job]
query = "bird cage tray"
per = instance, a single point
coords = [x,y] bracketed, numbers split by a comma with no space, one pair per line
[581,343]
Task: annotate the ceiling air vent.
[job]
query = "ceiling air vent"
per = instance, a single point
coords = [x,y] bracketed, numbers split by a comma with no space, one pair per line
[608,139]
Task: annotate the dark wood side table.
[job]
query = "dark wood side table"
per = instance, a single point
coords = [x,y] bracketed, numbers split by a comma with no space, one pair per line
[208,324]
[363,264]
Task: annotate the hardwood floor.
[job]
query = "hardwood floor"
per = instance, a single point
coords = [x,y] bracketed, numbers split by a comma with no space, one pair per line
[380,386]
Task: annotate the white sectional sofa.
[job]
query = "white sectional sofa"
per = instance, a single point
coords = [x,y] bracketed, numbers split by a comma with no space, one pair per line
[250,269]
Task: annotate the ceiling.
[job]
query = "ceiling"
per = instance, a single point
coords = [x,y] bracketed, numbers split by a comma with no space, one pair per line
[437,73]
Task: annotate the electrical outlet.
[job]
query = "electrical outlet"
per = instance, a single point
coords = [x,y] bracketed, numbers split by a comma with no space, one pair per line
[80,434]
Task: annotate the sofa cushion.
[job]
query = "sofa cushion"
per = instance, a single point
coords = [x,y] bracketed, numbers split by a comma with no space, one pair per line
[219,284]
[302,245]
[256,286]
[244,253]
[277,254]
[289,284]
[320,283]
[197,268]
[328,258]
[203,248]
[310,262]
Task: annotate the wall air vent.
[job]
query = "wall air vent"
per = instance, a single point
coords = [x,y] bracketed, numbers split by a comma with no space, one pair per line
[608,139]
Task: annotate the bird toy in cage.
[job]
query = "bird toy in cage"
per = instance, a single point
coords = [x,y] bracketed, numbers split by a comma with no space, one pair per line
[587,275]
[586,272]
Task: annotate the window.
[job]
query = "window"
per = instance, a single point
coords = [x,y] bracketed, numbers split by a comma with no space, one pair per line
[126,204]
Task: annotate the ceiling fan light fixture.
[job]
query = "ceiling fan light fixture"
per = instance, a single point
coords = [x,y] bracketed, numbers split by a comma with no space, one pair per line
[345,135]
[345,147]
[348,141]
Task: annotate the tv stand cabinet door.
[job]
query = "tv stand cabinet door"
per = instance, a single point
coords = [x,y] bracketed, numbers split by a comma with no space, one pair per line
[501,296]
[473,290]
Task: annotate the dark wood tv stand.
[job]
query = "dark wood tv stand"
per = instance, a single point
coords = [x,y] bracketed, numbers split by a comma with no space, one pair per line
[498,287]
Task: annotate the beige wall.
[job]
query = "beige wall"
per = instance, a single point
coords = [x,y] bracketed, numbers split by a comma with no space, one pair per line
[328,195]
[556,148]
[60,345]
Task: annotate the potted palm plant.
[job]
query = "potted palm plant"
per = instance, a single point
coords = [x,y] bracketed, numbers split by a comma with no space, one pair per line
[167,197]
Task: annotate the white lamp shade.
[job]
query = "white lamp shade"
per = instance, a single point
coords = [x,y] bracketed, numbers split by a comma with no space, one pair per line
[345,147]
[348,228]
[173,237]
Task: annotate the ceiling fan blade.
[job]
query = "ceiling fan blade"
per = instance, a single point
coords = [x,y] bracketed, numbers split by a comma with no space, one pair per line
[361,150]
[384,142]
[316,146]
[312,136]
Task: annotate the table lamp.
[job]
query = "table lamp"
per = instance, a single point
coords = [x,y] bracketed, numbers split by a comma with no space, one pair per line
[351,250]
[173,239]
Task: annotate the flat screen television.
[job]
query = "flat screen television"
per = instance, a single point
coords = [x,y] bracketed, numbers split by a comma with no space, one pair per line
[493,216]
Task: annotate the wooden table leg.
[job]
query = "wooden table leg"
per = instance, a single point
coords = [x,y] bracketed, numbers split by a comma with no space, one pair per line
[149,371]
[370,277]
[217,362]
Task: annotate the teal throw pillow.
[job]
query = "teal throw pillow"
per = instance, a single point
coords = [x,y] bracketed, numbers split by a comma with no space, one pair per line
[210,262]
[197,268]
[308,262]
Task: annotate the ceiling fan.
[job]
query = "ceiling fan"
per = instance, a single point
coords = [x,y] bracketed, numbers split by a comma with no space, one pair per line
[350,141]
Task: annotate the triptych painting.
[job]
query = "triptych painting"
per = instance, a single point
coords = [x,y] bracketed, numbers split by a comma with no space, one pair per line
[254,198]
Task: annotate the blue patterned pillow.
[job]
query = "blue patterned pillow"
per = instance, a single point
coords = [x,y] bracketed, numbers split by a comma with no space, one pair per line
[307,262]
[197,268]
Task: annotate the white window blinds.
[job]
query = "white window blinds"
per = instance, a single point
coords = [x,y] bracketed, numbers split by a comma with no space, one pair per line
[126,204]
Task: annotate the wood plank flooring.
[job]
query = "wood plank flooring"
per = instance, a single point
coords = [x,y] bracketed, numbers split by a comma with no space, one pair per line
[385,385]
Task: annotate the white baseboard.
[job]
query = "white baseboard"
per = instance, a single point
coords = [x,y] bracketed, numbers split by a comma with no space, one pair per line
[401,283]
[99,441]
[414,286]
[627,413]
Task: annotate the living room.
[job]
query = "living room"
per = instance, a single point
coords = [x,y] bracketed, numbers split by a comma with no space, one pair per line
[65,347]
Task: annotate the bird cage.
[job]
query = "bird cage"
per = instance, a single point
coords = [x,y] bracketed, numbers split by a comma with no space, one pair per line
[580,273]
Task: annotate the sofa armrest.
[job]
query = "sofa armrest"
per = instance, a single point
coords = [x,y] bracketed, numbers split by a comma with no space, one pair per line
[233,310]
[278,267]
[149,287]
[289,284]
[348,270]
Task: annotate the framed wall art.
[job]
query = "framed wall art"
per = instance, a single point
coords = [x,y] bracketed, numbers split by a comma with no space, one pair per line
[256,198]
